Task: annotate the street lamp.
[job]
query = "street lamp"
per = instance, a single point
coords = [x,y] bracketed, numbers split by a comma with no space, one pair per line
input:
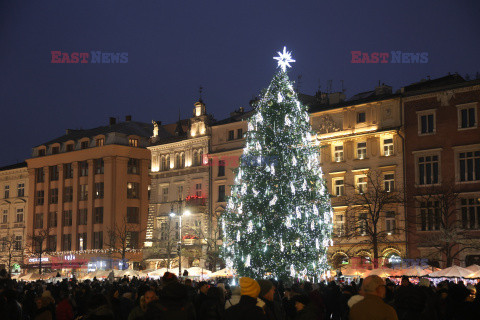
[173,214]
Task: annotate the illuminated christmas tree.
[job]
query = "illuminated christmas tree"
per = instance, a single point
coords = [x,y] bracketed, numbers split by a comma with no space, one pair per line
[278,221]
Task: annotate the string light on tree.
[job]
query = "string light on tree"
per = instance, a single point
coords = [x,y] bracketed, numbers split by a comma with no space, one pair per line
[284,203]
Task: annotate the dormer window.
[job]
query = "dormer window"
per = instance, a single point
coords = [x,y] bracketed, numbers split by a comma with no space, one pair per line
[69,147]
[84,144]
[41,152]
[55,150]
[100,142]
[133,142]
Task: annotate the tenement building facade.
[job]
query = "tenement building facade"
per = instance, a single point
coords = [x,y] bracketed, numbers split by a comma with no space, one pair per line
[180,188]
[442,154]
[13,209]
[361,149]
[89,198]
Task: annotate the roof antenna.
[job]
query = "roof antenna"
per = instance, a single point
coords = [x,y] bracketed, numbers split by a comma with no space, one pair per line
[299,82]
[200,90]
[329,86]
[343,89]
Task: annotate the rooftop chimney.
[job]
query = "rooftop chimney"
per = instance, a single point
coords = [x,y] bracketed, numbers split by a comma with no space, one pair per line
[113,120]
[336,97]
[128,118]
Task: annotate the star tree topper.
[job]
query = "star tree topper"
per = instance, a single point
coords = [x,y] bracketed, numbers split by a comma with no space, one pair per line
[284,58]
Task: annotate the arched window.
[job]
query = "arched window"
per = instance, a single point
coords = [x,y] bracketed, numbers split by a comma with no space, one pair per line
[182,160]
[177,161]
[200,157]
[167,162]
[163,163]
[195,159]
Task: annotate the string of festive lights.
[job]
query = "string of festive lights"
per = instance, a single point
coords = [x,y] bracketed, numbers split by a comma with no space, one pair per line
[278,220]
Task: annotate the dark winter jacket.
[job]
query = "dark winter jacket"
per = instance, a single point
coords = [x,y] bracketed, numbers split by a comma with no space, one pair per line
[173,303]
[64,310]
[246,309]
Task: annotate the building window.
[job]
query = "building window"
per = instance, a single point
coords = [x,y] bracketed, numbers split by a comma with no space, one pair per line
[53,173]
[98,190]
[19,217]
[69,147]
[68,171]
[163,231]
[99,166]
[84,144]
[133,166]
[163,163]
[231,135]
[133,190]
[133,142]
[18,243]
[428,170]
[83,168]
[132,239]
[338,153]
[390,222]
[82,217]
[82,241]
[41,152]
[21,189]
[100,142]
[54,195]
[39,175]
[362,224]
[52,219]
[426,123]
[52,243]
[361,184]
[467,117]
[180,192]
[55,150]
[361,117]
[38,220]
[221,193]
[198,157]
[469,165]
[133,215]
[470,213]
[68,194]
[339,225]
[5,216]
[221,168]
[338,187]
[240,133]
[98,215]
[388,147]
[165,194]
[389,182]
[39,197]
[6,192]
[83,196]
[98,240]
[198,190]
[67,218]
[362,150]
[429,216]
[66,242]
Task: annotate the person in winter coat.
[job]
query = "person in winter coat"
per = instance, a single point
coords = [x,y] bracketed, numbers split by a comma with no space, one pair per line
[372,306]
[43,311]
[272,310]
[212,308]
[305,309]
[173,303]
[64,309]
[248,308]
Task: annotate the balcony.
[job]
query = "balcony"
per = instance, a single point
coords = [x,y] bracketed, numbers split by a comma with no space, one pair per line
[19,225]
[193,201]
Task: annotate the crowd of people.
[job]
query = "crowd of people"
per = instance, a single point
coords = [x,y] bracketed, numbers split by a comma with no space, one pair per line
[176,299]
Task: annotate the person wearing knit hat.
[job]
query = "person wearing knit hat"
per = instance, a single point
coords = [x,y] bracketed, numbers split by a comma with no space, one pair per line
[273,310]
[247,308]
[249,287]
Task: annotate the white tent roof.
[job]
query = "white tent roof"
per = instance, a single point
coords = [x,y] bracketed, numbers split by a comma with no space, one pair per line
[473,268]
[451,272]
